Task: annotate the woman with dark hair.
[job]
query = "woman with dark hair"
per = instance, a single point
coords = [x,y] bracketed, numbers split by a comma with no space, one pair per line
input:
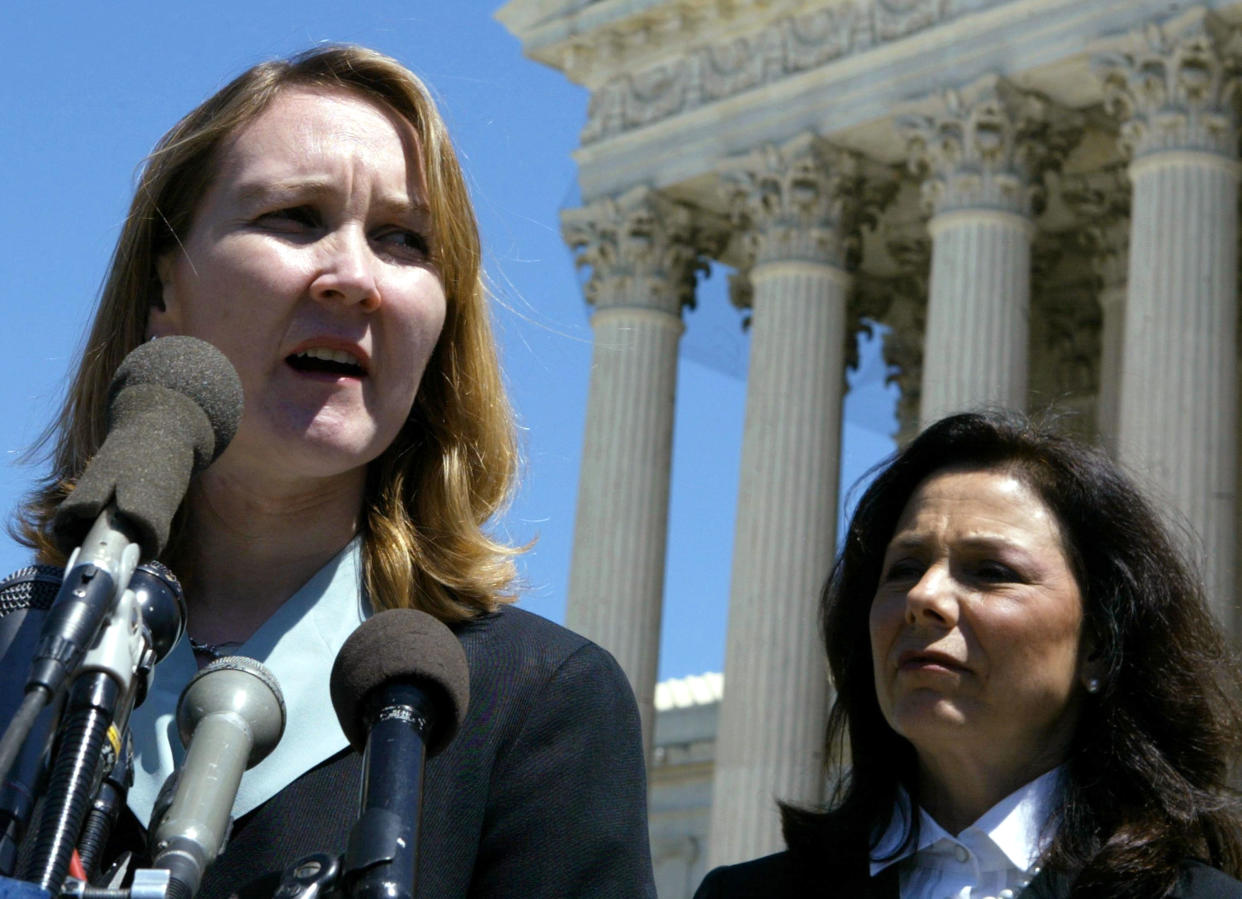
[311,220]
[1032,696]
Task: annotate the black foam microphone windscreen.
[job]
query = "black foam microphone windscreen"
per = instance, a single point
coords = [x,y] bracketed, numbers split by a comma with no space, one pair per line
[401,646]
[174,405]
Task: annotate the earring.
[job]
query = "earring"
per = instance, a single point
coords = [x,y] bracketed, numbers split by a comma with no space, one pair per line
[1093,685]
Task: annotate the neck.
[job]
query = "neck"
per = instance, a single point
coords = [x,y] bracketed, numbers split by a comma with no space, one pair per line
[957,794]
[246,551]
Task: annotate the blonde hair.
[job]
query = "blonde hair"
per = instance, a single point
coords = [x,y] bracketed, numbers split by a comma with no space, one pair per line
[452,466]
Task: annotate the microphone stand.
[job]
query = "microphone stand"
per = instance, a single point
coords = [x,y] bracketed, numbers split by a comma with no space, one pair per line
[105,680]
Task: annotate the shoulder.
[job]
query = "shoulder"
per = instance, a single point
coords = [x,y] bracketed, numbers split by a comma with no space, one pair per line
[529,675]
[771,875]
[544,785]
[518,649]
[1199,879]
[510,625]
[788,874]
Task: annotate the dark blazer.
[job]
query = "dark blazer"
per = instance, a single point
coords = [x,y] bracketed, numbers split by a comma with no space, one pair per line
[541,793]
[847,874]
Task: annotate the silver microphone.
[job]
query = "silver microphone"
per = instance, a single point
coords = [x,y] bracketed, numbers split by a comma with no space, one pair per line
[230,716]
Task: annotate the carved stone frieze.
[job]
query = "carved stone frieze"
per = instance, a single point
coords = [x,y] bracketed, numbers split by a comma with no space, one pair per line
[1178,88]
[793,43]
[643,249]
[988,146]
[1101,201]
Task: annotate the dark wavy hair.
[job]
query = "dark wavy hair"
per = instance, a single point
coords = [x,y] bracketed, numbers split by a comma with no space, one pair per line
[1147,778]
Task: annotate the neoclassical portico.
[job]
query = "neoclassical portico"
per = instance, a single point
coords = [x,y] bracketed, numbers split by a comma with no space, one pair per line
[1039,216]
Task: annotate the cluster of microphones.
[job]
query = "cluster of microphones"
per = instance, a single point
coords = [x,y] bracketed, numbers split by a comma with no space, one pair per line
[80,647]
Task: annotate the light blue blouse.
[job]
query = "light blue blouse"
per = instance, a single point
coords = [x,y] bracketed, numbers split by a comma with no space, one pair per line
[298,645]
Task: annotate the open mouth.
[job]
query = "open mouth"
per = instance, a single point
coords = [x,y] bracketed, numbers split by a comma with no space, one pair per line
[320,360]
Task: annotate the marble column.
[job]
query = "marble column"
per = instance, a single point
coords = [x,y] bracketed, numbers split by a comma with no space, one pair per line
[982,155]
[1174,94]
[795,211]
[641,249]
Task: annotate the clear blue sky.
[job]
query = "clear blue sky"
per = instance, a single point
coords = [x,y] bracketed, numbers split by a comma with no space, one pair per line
[91,86]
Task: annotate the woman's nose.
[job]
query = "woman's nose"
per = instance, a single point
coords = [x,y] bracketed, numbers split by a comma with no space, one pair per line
[933,599]
[347,271]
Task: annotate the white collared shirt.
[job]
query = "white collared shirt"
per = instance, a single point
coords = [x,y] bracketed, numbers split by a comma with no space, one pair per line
[994,857]
[297,644]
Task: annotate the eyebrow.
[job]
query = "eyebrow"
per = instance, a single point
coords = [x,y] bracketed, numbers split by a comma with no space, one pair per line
[260,192]
[916,540]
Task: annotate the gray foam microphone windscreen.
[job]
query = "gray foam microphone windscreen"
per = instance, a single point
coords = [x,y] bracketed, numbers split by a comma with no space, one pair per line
[174,405]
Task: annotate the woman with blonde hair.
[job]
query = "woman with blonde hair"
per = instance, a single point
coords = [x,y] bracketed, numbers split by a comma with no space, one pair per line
[311,221]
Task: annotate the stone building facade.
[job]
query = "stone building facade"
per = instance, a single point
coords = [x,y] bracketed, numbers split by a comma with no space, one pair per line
[1038,198]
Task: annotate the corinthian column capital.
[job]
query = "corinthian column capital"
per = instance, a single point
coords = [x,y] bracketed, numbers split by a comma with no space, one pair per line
[988,146]
[1177,88]
[802,201]
[1101,202]
[644,250]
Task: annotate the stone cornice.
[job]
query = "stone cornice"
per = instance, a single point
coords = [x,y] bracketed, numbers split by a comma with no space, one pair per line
[657,64]
[593,42]
[644,250]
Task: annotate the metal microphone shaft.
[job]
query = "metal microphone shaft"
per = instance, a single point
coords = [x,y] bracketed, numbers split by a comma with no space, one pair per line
[106,809]
[92,704]
[383,846]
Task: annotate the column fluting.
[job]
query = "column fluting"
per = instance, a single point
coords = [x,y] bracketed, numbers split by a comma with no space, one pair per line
[1177,427]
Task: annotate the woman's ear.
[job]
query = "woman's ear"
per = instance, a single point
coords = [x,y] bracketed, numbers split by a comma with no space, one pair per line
[161,316]
[1091,665]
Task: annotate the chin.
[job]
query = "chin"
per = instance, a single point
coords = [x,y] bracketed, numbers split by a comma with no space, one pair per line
[927,716]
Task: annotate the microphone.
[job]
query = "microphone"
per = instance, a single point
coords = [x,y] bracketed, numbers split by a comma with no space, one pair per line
[161,608]
[400,686]
[231,716]
[174,404]
[141,629]
[25,597]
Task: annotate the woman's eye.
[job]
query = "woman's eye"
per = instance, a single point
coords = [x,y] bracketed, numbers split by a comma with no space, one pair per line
[996,571]
[406,242]
[295,218]
[902,570]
